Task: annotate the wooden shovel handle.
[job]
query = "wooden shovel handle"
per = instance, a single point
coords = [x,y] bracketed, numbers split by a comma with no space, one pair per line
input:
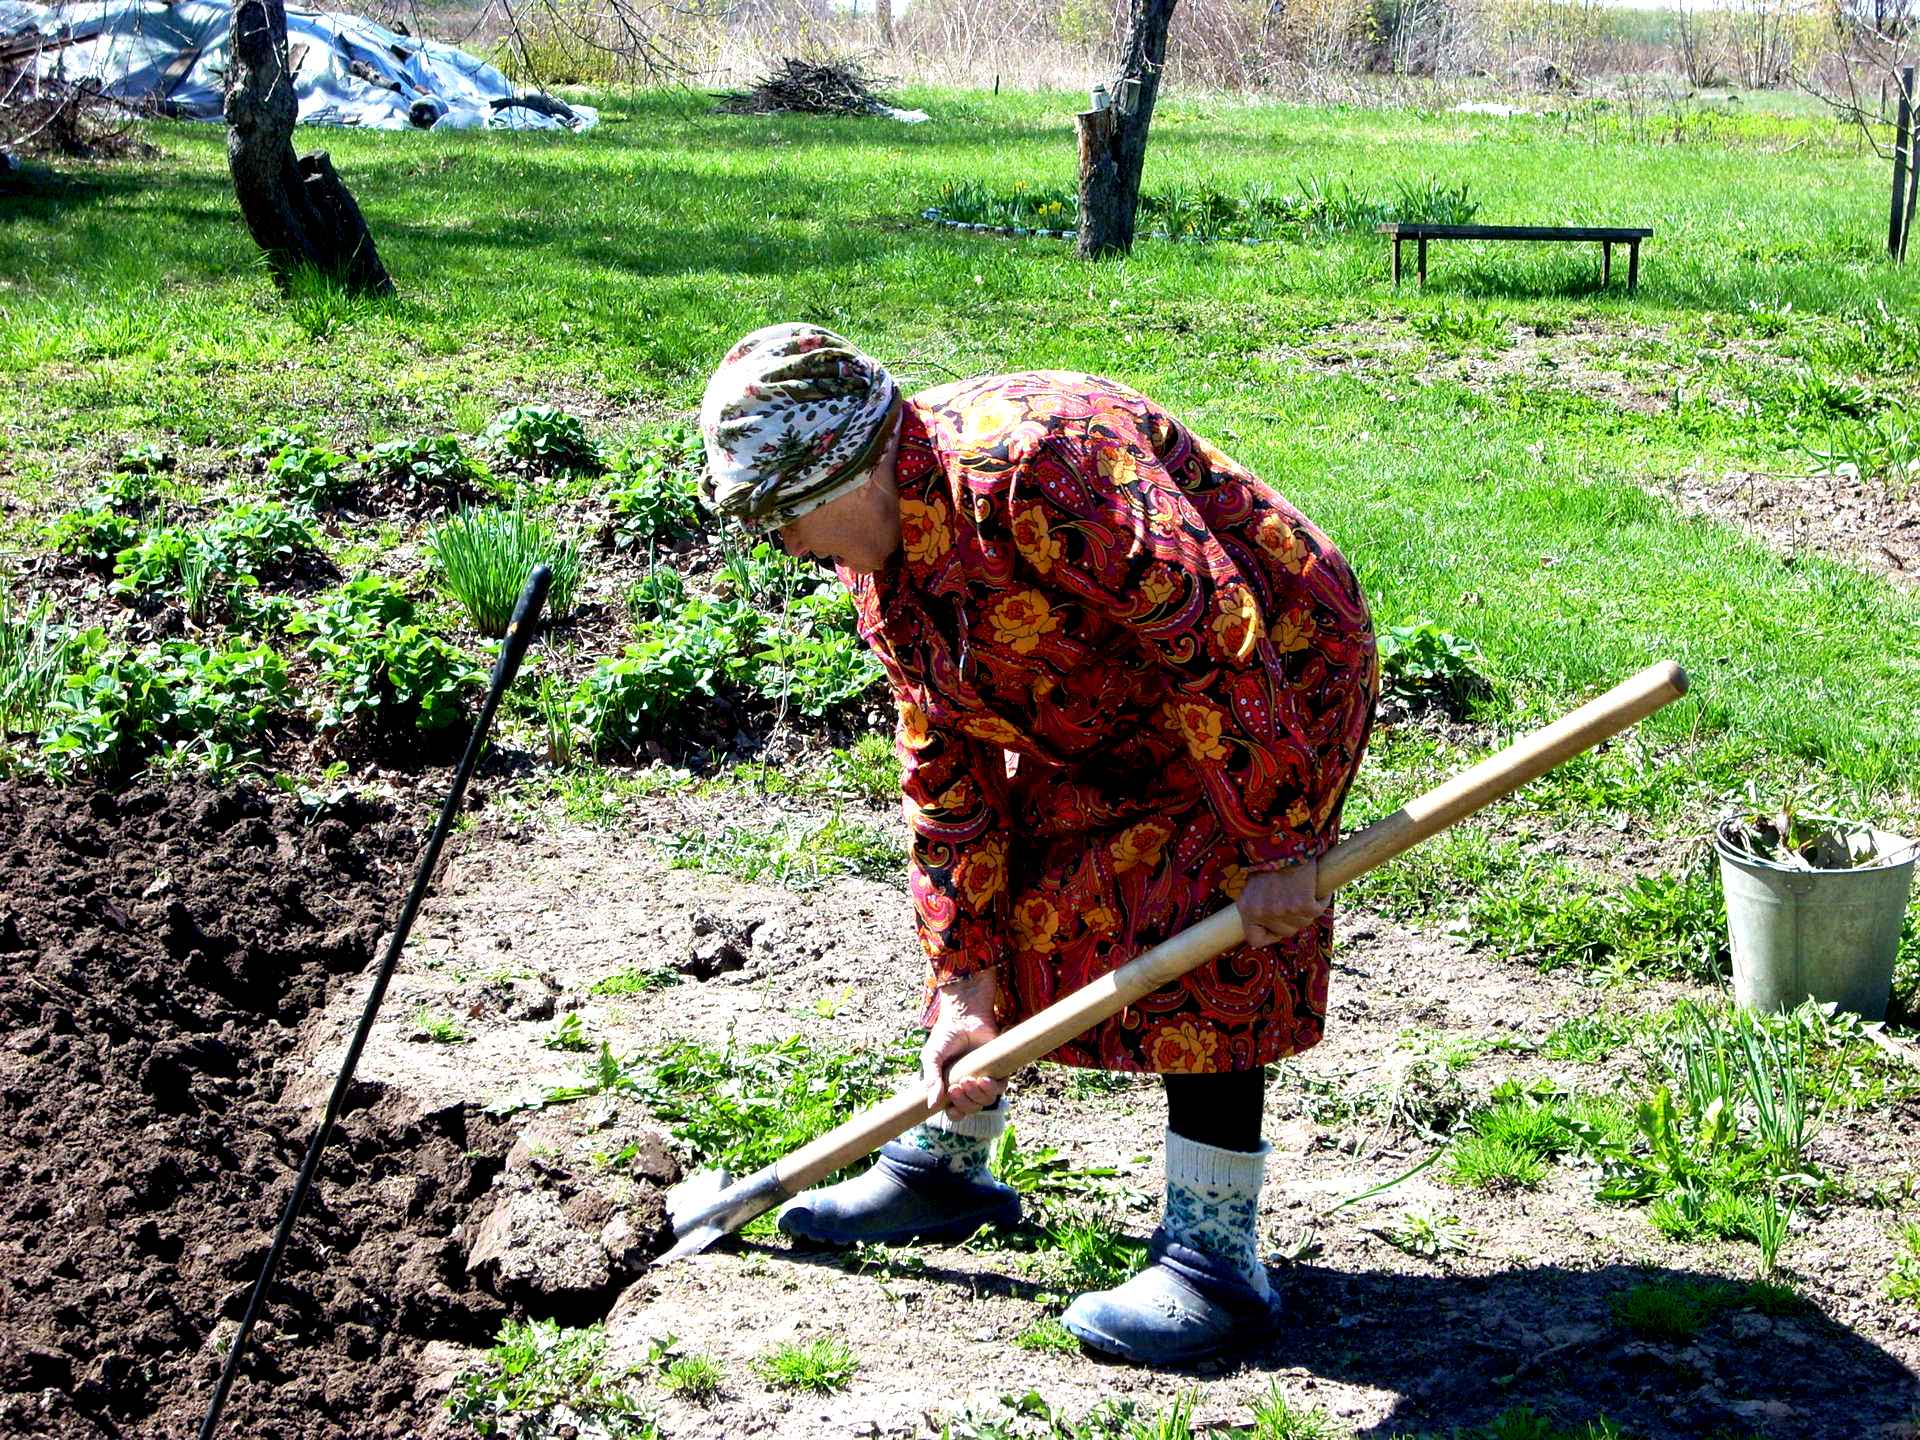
[1474,789]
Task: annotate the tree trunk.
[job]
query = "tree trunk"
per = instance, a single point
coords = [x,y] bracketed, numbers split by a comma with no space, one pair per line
[883,17]
[298,210]
[1113,142]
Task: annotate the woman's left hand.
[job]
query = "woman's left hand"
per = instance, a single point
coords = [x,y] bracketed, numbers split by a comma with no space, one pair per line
[1281,903]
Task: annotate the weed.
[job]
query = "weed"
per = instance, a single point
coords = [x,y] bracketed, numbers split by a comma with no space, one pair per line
[1275,1418]
[570,1033]
[1903,1281]
[543,441]
[1670,1311]
[1496,1165]
[693,1377]
[868,770]
[1043,1173]
[745,1107]
[34,653]
[634,982]
[1422,1233]
[792,854]
[658,594]
[486,555]
[1048,1336]
[439,1029]
[1883,450]
[824,1366]
[1422,664]
[1089,1253]
[540,1379]
[1455,327]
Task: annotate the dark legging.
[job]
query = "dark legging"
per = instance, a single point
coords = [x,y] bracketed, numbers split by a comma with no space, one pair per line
[1218,1110]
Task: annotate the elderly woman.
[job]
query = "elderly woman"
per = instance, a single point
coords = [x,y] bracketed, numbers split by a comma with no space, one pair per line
[1133,686]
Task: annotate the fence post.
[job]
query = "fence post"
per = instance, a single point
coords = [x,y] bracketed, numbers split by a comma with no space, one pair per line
[1902,145]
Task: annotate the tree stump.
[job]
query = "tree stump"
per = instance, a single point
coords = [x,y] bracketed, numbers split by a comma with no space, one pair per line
[1113,149]
[298,210]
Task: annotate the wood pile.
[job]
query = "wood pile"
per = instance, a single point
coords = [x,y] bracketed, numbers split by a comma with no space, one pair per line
[807,87]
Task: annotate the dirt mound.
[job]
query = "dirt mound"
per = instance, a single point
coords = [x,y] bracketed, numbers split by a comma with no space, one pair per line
[158,950]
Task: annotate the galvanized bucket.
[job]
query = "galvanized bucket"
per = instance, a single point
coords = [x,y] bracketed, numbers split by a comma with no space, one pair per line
[1829,934]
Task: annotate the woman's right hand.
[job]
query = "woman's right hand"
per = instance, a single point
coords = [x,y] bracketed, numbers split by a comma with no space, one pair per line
[962,1021]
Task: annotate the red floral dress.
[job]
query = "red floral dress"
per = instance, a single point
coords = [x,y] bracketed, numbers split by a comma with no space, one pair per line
[1129,675]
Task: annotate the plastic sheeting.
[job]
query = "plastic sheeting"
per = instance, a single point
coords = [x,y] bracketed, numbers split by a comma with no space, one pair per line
[347,70]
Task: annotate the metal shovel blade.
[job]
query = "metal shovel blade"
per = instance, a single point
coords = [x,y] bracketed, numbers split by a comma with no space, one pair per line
[708,1205]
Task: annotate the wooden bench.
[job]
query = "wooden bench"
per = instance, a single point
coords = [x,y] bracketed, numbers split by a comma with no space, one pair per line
[1607,235]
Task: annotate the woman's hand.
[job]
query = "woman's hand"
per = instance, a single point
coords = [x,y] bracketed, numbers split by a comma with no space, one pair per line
[963,1021]
[1281,903]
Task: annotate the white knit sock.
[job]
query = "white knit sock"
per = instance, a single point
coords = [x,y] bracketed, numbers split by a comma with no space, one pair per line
[963,1142]
[1212,1198]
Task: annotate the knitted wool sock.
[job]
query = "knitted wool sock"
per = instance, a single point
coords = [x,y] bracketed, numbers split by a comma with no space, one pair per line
[962,1142]
[1212,1195]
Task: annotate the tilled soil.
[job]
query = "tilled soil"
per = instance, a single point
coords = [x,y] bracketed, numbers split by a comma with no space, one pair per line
[158,952]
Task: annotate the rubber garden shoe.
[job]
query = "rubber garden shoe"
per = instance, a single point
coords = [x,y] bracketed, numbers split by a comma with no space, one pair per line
[907,1195]
[1185,1306]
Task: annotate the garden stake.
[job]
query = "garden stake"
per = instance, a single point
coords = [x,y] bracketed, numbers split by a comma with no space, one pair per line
[512,649]
[706,1206]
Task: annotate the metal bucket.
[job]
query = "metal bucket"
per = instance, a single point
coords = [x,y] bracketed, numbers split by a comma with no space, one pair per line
[1829,934]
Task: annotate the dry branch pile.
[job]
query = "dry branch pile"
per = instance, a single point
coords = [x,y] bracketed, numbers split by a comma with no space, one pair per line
[54,117]
[809,88]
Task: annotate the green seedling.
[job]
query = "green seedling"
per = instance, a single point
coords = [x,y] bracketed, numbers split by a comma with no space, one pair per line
[693,1377]
[824,1366]
[1670,1311]
[437,1028]
[634,982]
[570,1034]
[1903,1281]
[539,1376]
[1048,1336]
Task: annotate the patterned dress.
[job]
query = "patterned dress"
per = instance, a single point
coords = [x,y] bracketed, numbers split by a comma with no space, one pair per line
[1129,675]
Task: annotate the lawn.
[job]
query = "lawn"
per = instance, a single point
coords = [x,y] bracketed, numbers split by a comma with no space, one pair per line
[1511,458]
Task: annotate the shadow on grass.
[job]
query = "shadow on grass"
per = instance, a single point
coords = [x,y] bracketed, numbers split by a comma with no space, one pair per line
[1460,1350]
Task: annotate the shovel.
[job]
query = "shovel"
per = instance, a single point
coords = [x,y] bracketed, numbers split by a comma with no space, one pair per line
[706,1206]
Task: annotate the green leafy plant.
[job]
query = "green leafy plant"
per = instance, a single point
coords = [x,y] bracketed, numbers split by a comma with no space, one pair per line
[542,440]
[1425,1234]
[485,556]
[1043,1173]
[1455,327]
[1798,841]
[1421,664]
[34,653]
[97,532]
[653,491]
[659,593]
[429,463]
[823,1366]
[380,670]
[568,1034]
[1276,1418]
[308,474]
[744,1107]
[633,982]
[1903,1280]
[817,673]
[440,1029]
[540,1377]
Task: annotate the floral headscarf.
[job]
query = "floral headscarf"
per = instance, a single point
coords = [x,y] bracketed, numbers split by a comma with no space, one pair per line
[794,417]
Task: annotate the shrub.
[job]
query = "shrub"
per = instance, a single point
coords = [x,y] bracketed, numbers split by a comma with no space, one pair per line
[380,670]
[485,557]
[542,440]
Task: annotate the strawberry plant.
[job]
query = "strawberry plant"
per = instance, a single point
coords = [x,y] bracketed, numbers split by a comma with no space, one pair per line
[542,440]
[380,669]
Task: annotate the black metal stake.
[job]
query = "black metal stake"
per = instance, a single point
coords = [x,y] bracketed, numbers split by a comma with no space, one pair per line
[512,650]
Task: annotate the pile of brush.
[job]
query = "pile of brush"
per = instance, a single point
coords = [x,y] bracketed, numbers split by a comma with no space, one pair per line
[805,87]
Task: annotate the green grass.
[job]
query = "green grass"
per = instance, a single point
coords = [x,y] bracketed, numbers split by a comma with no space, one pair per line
[824,1366]
[794,854]
[484,557]
[1670,1311]
[693,1377]
[439,1029]
[632,981]
[537,1368]
[1048,1336]
[1903,1280]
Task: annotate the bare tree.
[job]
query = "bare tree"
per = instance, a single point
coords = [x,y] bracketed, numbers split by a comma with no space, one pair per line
[299,211]
[1113,140]
[1873,48]
[1694,47]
